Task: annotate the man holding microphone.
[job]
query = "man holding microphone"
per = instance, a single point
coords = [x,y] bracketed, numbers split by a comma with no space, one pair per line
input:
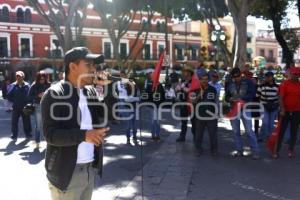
[73,123]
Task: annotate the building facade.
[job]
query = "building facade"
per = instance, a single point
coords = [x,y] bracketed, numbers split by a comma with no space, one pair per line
[267,47]
[27,42]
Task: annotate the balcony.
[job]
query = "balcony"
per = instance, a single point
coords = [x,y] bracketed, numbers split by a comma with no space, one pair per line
[150,57]
[26,54]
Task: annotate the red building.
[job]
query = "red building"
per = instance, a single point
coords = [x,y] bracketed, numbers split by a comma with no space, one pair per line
[26,41]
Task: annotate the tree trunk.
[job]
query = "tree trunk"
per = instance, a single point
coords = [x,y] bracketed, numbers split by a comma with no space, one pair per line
[239,11]
[298,6]
[287,54]
[116,53]
[68,38]
[233,49]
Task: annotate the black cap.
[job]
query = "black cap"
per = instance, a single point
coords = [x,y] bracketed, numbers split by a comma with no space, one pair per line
[235,72]
[80,53]
[269,73]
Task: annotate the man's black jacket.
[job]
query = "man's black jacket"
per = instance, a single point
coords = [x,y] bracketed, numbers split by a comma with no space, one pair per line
[61,125]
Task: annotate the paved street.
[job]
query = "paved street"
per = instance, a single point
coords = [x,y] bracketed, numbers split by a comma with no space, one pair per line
[170,170]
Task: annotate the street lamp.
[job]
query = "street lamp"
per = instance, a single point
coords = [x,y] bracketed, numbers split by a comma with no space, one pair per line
[218,35]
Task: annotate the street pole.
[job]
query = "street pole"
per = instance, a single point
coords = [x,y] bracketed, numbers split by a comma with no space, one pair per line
[217,36]
[218,51]
[166,38]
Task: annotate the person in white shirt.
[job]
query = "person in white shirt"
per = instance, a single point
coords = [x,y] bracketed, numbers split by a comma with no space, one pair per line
[73,128]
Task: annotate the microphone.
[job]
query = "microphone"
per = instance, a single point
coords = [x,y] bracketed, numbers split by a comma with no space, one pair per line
[113,79]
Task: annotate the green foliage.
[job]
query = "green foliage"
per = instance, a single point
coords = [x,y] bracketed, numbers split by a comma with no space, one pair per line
[292,38]
[193,9]
[262,8]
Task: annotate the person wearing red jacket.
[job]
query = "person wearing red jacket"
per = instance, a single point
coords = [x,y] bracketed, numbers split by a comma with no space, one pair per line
[289,110]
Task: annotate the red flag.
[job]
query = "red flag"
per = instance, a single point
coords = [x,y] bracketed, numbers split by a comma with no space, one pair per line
[236,108]
[195,85]
[156,73]
[272,141]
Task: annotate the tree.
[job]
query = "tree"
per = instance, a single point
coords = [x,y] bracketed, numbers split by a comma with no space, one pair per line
[63,16]
[168,9]
[209,11]
[275,10]
[239,10]
[117,18]
[298,6]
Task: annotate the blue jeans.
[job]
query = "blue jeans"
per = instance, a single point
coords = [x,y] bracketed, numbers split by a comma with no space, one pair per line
[247,121]
[38,122]
[155,126]
[268,122]
[131,124]
[121,106]
[287,133]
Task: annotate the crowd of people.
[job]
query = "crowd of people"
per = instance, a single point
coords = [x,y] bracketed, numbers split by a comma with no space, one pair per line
[268,102]
[20,94]
[279,103]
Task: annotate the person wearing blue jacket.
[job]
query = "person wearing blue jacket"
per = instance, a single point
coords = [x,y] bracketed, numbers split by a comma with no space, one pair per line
[240,89]
[18,95]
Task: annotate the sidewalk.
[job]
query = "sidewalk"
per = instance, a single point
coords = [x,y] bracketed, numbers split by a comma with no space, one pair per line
[175,173]
[171,170]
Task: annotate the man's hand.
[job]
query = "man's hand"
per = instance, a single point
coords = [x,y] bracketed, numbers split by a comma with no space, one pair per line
[102,78]
[96,136]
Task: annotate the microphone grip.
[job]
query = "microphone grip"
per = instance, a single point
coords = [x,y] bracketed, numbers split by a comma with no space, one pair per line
[114,79]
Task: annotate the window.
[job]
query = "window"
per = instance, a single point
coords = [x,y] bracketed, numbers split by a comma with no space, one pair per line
[107,50]
[271,54]
[249,37]
[249,57]
[179,54]
[3,47]
[158,26]
[123,50]
[194,54]
[27,17]
[161,48]
[145,23]
[20,16]
[4,14]
[25,47]
[147,55]
[262,52]
[56,51]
